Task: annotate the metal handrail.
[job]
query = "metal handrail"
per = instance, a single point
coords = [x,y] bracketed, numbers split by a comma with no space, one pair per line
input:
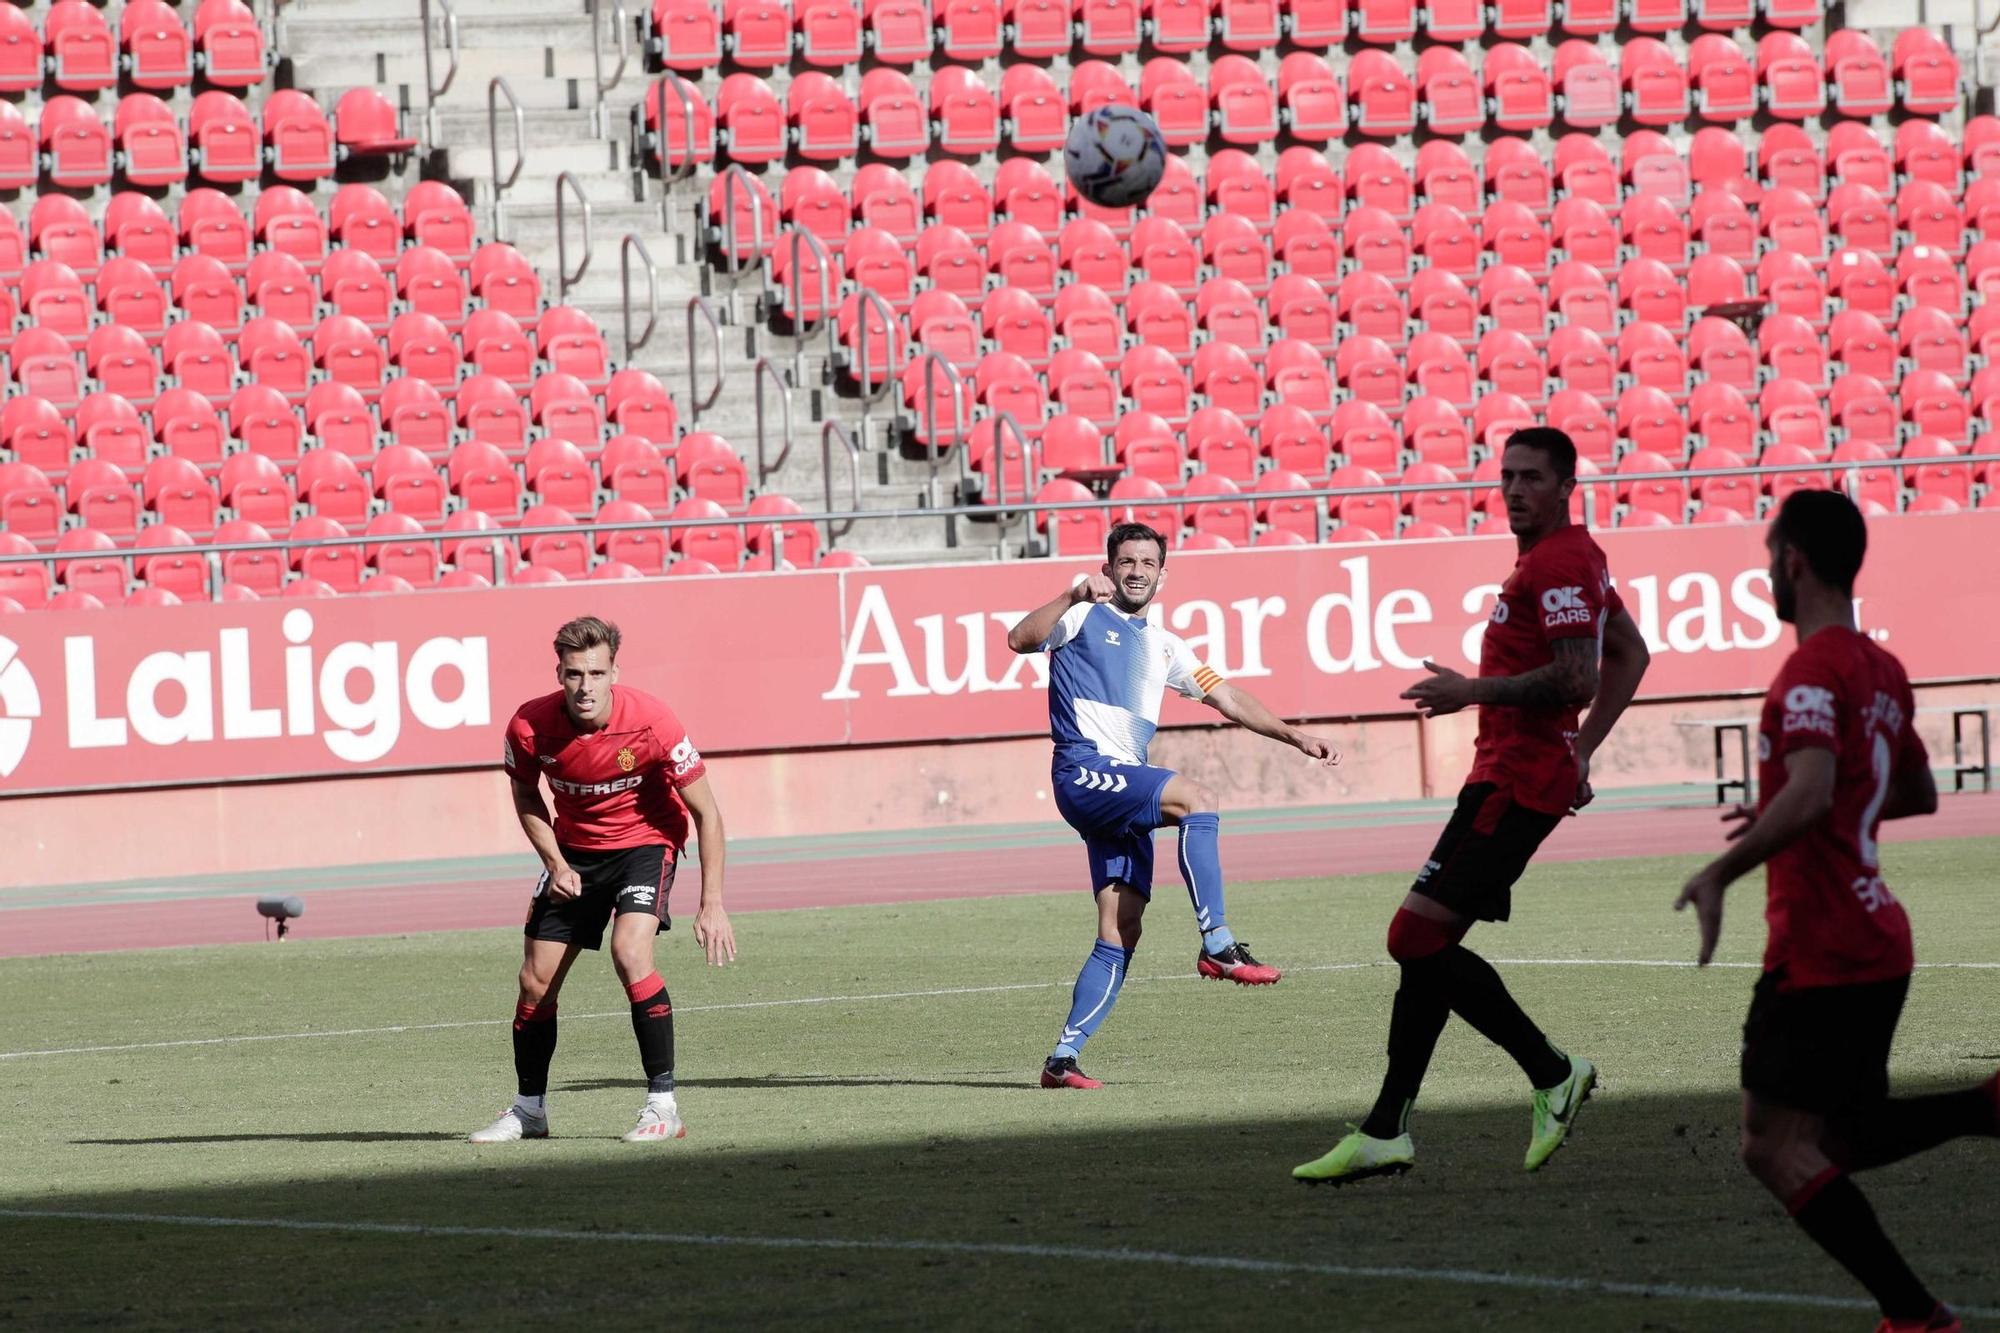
[729,179]
[623,23]
[686,168]
[565,278]
[500,85]
[625,248]
[829,432]
[868,298]
[1002,423]
[799,321]
[766,371]
[851,516]
[932,359]
[432,88]
[696,403]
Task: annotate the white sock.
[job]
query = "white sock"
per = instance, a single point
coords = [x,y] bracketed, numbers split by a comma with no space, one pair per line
[659,1099]
[534,1106]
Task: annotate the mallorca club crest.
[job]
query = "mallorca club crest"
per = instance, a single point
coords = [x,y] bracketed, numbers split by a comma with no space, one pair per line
[627,761]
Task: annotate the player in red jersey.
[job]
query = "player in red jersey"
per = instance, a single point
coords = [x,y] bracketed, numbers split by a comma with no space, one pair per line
[1558,638]
[1837,755]
[626,778]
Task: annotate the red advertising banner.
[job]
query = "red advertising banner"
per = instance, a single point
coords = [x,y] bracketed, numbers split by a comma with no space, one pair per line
[247,691]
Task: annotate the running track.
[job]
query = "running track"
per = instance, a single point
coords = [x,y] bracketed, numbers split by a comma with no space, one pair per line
[891,869]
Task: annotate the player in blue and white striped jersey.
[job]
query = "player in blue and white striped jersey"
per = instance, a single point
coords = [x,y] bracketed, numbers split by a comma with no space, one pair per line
[1108,670]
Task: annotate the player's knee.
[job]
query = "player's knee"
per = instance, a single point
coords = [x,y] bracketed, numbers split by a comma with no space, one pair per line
[1762,1154]
[534,987]
[1412,936]
[1200,800]
[632,961]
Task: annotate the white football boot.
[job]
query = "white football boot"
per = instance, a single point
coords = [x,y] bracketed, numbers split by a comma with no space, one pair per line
[659,1120]
[515,1123]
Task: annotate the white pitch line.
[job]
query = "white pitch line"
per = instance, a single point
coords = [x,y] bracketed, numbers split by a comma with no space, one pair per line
[945,992]
[1466,1277]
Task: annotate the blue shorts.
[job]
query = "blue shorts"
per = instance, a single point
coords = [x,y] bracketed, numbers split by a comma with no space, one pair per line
[1115,807]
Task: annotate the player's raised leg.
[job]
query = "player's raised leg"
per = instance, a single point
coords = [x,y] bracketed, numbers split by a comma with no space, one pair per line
[1120,909]
[1192,807]
[543,966]
[1782,1147]
[632,936]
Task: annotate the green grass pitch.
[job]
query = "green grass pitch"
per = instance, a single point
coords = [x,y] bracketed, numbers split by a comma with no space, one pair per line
[830,1110]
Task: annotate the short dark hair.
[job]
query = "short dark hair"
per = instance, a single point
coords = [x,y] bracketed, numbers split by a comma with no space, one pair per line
[585,633]
[1557,444]
[1132,532]
[1827,529]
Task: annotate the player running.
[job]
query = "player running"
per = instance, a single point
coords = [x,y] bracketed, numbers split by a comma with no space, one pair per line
[1556,617]
[625,778]
[1108,668]
[1837,755]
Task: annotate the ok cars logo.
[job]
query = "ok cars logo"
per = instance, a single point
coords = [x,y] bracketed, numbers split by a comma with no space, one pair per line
[20,705]
[1564,606]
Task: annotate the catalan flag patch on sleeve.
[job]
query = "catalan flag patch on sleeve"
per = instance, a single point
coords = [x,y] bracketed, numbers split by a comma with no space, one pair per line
[1208,678]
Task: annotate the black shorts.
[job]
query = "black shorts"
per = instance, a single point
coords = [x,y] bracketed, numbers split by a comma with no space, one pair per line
[1823,1049]
[629,879]
[1482,851]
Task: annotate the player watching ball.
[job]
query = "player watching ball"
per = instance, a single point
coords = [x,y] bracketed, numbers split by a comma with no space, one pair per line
[626,779]
[1837,754]
[1539,662]
[1108,669]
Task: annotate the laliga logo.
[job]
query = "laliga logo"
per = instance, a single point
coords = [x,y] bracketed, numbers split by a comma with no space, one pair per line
[20,705]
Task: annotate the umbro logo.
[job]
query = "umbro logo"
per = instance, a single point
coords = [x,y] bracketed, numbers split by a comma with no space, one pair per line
[659,1011]
[1111,637]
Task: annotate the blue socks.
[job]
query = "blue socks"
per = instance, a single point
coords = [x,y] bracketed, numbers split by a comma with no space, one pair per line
[1201,867]
[1096,990]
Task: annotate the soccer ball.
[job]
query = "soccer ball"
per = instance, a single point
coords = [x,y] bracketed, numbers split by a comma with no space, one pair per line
[1115,156]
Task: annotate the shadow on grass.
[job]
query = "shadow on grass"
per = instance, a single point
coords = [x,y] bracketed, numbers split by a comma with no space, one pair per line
[957,1224]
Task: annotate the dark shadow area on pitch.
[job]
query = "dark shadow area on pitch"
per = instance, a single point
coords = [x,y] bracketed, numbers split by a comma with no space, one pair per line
[343,1136]
[1648,1191]
[802,1081]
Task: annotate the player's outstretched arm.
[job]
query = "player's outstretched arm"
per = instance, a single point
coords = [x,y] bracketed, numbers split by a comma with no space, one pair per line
[1568,680]
[534,816]
[1034,629]
[1806,798]
[1247,710]
[712,930]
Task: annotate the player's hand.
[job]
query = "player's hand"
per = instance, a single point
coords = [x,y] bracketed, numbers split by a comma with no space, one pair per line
[1315,747]
[1739,821]
[1445,691]
[1585,794]
[1704,891]
[564,884]
[1096,588]
[714,934]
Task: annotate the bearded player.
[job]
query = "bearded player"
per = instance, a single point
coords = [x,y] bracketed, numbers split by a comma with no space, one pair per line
[1837,755]
[1558,639]
[1109,667]
[626,779]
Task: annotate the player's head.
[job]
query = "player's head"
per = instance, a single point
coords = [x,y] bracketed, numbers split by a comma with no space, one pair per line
[1817,541]
[587,667]
[1537,474]
[1135,560]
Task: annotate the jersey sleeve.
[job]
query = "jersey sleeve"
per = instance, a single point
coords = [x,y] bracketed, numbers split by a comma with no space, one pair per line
[1187,674]
[1068,627]
[1571,597]
[1808,695]
[1913,754]
[682,763]
[518,751]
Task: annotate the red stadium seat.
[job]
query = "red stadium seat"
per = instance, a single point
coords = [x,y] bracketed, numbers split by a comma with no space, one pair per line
[232,45]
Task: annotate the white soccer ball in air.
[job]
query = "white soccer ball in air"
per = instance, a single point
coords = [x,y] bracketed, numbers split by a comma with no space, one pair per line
[1115,156]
